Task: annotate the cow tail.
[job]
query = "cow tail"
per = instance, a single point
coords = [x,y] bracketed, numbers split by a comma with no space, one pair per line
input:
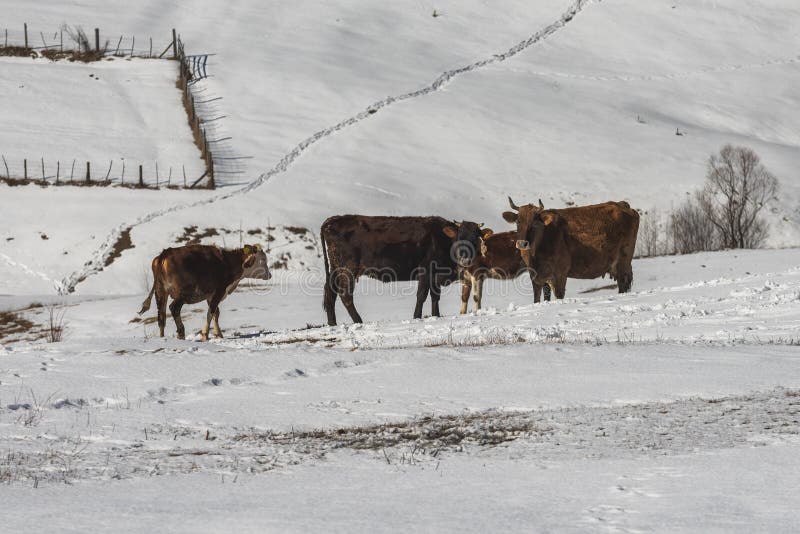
[149,299]
[146,303]
[325,255]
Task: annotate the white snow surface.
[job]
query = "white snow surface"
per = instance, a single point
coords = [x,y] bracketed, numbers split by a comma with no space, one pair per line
[103,112]
[665,409]
[673,408]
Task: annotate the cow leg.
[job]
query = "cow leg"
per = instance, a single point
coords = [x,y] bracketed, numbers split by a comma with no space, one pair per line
[546,290]
[213,310]
[422,294]
[346,285]
[466,289]
[175,309]
[161,308]
[625,281]
[436,293]
[217,331]
[329,302]
[537,288]
[477,293]
[559,288]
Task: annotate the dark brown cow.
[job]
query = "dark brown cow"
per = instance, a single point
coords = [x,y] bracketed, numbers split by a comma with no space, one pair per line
[426,249]
[193,273]
[600,238]
[499,259]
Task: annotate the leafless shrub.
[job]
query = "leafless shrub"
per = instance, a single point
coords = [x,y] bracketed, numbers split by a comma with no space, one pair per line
[55,323]
[690,230]
[737,188]
[78,36]
[653,239]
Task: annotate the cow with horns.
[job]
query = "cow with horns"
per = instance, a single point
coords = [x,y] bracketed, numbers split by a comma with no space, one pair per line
[580,242]
[193,273]
[429,250]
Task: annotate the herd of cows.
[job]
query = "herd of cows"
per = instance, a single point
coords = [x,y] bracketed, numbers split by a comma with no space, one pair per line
[550,245]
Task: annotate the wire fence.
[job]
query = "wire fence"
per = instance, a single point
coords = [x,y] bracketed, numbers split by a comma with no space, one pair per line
[202,112]
[67,39]
[89,173]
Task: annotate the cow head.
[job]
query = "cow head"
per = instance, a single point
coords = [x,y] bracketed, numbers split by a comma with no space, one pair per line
[467,239]
[533,223]
[255,263]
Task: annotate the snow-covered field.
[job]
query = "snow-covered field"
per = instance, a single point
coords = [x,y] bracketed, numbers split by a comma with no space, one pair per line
[675,407]
[667,408]
[104,112]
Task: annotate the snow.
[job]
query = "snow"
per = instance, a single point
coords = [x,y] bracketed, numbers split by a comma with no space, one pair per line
[670,408]
[122,110]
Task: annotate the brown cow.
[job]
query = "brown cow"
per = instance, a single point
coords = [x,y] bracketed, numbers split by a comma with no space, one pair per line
[499,259]
[193,273]
[600,238]
[429,250]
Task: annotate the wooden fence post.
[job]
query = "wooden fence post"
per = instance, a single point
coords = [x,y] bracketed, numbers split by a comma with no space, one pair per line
[88,172]
[58,170]
[43,169]
[26,35]
[25,167]
[97,39]
[141,182]
[174,45]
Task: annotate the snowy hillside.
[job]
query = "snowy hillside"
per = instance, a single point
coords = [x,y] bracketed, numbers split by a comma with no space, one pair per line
[673,408]
[558,120]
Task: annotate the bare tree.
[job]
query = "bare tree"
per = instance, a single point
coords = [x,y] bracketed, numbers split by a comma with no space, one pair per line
[649,242]
[690,229]
[737,188]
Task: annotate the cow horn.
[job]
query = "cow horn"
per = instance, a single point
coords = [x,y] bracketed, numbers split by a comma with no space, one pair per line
[541,206]
[511,203]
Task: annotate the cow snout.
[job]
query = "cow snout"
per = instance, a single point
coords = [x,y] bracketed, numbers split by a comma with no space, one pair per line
[523,244]
[463,252]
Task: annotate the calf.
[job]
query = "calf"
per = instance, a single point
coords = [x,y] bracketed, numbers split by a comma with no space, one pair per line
[429,250]
[193,273]
[499,259]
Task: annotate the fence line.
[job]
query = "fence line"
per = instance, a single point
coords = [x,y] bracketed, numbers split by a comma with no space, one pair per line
[45,175]
[192,68]
[77,41]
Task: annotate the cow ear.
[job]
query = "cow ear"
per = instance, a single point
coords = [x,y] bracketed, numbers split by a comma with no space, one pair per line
[450,231]
[487,233]
[510,216]
[247,250]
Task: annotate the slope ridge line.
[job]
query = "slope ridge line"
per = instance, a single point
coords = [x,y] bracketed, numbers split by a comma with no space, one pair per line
[97,263]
